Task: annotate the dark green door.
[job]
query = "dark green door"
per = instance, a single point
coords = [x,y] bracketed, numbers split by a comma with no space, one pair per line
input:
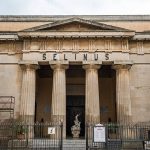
[75,105]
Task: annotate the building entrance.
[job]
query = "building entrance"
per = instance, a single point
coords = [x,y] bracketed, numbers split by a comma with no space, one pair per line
[107,94]
[75,105]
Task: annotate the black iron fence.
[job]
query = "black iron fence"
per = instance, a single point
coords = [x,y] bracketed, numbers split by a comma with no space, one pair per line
[118,137]
[19,136]
[48,136]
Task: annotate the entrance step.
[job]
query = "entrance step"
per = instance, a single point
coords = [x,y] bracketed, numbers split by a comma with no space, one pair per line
[74,144]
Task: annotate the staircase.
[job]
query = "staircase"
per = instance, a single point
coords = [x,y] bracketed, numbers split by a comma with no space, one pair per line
[76,144]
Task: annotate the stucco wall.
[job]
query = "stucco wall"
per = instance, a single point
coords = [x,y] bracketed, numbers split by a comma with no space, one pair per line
[140,92]
[10,85]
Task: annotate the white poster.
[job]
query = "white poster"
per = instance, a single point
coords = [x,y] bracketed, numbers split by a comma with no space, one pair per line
[99,134]
[51,130]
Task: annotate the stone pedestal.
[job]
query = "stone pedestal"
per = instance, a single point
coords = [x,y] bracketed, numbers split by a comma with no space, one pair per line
[59,95]
[76,133]
[123,93]
[92,110]
[27,103]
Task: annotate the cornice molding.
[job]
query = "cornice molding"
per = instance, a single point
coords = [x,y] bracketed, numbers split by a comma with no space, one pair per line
[142,36]
[18,36]
[76,34]
[8,36]
[52,18]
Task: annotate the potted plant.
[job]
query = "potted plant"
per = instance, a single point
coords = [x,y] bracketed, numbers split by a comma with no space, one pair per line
[112,129]
[20,130]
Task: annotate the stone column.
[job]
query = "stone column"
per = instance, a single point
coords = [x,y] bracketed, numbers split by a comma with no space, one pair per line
[92,111]
[27,104]
[59,95]
[123,101]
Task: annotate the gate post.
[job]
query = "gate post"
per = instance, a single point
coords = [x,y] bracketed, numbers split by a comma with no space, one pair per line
[86,136]
[61,138]
[13,130]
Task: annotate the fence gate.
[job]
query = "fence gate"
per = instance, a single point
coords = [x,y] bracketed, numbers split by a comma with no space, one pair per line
[42,136]
[117,137]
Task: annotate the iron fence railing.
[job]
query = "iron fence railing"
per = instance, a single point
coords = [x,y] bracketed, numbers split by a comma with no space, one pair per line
[49,136]
[18,136]
[117,137]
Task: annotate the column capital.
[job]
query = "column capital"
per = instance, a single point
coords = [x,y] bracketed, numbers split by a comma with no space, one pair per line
[29,65]
[91,66]
[59,65]
[121,66]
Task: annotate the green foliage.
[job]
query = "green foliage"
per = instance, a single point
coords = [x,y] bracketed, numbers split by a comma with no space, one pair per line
[112,128]
[20,127]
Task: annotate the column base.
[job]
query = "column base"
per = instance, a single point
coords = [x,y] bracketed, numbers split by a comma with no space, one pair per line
[27,119]
[58,119]
[92,119]
[124,119]
[28,122]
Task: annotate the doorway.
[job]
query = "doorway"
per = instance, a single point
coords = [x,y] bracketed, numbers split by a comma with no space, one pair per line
[75,105]
[107,94]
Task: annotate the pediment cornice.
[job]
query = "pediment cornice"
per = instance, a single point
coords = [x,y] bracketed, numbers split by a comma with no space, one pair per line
[59,29]
[100,34]
[90,23]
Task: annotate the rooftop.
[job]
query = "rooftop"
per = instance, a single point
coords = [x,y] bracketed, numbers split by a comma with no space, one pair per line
[51,18]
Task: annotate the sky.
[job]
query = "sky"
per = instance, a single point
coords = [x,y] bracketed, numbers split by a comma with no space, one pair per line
[74,7]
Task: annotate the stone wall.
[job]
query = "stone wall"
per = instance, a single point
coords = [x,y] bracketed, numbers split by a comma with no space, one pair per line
[10,85]
[140,92]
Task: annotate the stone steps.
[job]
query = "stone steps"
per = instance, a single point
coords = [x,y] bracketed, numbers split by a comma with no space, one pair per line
[47,144]
[69,144]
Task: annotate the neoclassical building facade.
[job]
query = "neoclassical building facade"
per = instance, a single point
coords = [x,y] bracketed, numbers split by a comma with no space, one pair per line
[59,66]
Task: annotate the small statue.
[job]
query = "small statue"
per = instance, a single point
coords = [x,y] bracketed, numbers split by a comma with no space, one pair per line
[76,118]
[76,128]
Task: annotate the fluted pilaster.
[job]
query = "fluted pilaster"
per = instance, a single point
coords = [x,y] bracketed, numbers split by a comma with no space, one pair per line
[92,94]
[123,100]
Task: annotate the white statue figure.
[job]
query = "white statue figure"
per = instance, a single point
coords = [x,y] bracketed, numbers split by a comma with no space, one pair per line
[76,128]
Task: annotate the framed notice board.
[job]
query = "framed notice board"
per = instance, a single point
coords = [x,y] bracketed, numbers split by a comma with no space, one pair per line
[99,133]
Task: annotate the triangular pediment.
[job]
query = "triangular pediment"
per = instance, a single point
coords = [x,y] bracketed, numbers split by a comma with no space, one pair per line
[75,24]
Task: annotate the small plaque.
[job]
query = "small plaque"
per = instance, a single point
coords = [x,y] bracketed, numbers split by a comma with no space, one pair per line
[51,130]
[99,133]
